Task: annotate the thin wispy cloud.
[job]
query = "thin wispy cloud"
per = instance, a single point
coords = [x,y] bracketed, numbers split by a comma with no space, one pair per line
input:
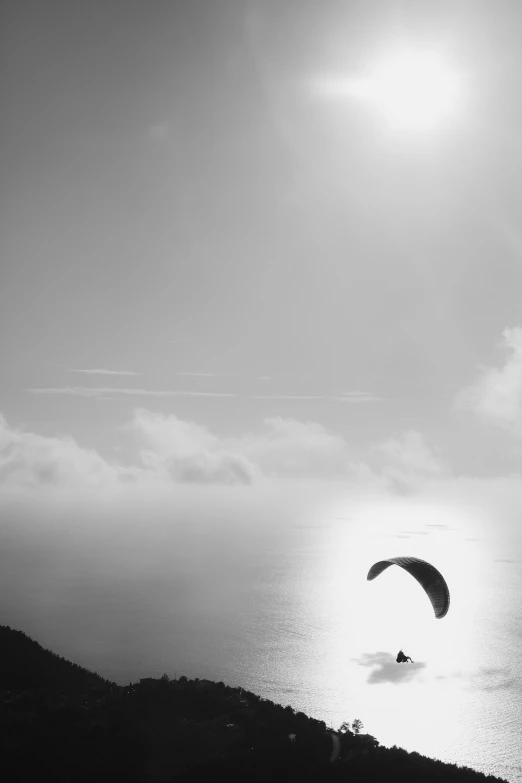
[359,396]
[81,391]
[99,371]
[220,375]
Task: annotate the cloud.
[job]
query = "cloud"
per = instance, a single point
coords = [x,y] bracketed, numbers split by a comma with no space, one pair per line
[30,460]
[288,397]
[106,372]
[168,450]
[295,448]
[188,452]
[496,395]
[82,391]
[411,454]
[386,669]
[281,447]
[402,465]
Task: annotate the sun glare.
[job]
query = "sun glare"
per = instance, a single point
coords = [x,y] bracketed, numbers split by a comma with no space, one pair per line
[411,89]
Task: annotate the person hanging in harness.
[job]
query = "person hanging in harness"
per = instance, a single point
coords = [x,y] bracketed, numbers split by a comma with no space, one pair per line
[401,658]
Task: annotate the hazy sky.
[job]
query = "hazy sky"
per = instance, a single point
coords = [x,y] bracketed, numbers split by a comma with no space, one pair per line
[212,270]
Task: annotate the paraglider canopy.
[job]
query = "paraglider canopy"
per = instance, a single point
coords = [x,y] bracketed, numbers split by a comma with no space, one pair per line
[426,575]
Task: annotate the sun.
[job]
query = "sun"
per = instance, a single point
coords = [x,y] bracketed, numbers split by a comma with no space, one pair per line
[411,89]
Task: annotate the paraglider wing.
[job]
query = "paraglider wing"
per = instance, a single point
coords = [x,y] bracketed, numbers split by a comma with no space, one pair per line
[426,575]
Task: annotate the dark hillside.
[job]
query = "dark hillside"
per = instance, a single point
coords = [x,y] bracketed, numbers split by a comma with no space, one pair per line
[63,723]
[24,664]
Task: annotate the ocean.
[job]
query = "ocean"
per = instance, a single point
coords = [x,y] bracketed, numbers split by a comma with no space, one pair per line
[275,599]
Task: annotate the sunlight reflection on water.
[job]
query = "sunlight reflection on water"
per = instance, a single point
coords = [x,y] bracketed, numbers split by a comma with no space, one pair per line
[462,703]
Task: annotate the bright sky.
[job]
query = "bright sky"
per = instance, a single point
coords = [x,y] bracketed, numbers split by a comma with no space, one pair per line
[211,261]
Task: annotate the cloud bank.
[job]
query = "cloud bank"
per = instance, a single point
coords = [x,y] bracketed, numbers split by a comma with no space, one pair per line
[169,450]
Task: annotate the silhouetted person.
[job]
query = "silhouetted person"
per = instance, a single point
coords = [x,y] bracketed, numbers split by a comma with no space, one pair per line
[401,658]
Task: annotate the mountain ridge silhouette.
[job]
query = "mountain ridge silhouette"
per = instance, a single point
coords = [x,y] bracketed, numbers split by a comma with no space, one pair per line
[61,721]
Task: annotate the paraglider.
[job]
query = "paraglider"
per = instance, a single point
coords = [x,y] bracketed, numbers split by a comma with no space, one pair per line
[429,579]
[426,575]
